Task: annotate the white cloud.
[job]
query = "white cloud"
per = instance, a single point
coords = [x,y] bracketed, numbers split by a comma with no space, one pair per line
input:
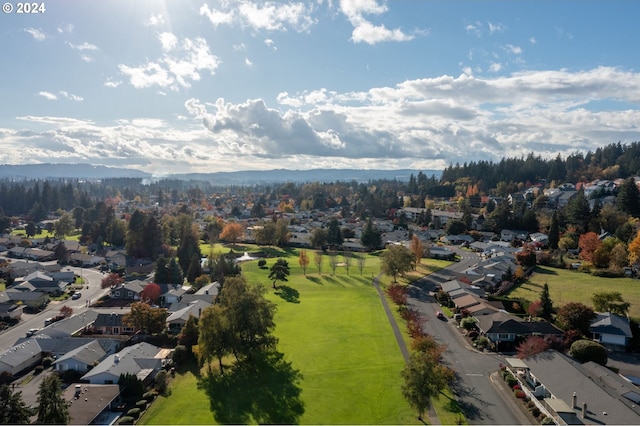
[84,46]
[516,50]
[36,33]
[363,30]
[68,29]
[495,67]
[424,123]
[259,16]
[63,94]
[532,40]
[181,64]
[48,95]
[495,28]
[248,62]
[155,20]
[112,83]
[270,43]
[240,47]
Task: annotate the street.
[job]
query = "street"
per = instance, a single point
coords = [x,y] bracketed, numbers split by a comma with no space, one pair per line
[480,399]
[92,279]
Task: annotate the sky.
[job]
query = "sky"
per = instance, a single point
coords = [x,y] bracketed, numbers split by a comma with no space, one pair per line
[180,86]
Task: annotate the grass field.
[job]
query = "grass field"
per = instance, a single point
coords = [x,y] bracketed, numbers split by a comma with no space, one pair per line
[332,328]
[572,286]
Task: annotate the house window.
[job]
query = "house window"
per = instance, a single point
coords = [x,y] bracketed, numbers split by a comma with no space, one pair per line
[503,336]
[115,330]
[129,293]
[116,293]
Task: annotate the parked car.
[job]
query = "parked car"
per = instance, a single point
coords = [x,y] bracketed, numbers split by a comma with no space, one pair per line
[76,295]
[32,331]
[440,315]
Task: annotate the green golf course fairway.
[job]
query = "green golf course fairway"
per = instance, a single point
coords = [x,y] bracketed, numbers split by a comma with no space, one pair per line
[335,332]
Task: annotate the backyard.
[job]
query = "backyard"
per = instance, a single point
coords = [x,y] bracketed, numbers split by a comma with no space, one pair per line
[573,286]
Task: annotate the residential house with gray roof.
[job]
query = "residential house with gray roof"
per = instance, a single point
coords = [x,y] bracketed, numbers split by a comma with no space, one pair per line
[612,329]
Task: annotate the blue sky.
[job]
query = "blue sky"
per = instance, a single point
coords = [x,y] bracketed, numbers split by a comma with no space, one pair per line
[181,86]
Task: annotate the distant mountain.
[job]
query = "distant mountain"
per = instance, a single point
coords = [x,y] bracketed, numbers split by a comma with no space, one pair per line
[71,171]
[251,177]
[247,177]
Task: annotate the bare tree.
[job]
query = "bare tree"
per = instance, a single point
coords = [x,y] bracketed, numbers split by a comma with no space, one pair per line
[318,258]
[333,261]
[361,260]
[347,260]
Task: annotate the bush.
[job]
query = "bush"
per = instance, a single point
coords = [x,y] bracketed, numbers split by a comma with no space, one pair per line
[482,342]
[516,386]
[47,361]
[149,396]
[511,381]
[141,404]
[519,393]
[468,323]
[504,373]
[126,420]
[162,381]
[134,412]
[588,350]
[180,354]
[39,369]
[473,334]
[548,421]
[5,378]
[262,263]
[535,411]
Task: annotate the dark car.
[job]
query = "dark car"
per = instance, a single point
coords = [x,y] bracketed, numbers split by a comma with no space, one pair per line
[440,315]
[76,296]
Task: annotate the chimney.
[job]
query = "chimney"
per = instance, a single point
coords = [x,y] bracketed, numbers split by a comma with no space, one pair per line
[574,400]
[116,359]
[584,410]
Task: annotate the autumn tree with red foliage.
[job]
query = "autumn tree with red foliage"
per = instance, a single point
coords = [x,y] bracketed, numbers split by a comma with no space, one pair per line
[398,294]
[151,293]
[527,256]
[588,244]
[531,346]
[111,280]
[66,311]
[535,309]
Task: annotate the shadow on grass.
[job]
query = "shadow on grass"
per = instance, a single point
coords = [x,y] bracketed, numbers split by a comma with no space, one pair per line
[544,271]
[189,366]
[265,391]
[315,280]
[288,294]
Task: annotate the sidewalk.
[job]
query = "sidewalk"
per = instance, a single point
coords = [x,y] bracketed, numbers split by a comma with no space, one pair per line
[431,413]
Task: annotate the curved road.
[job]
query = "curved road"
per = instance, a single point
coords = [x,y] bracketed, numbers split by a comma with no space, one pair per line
[91,277]
[481,398]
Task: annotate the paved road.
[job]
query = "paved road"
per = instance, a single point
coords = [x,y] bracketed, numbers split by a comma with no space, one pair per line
[481,398]
[92,278]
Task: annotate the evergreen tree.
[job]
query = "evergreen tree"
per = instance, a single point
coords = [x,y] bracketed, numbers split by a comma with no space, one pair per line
[554,231]
[195,269]
[188,248]
[334,234]
[371,236]
[628,199]
[578,212]
[13,410]
[546,302]
[52,408]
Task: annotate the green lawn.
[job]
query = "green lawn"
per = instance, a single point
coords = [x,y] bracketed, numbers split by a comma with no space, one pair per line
[573,286]
[334,330]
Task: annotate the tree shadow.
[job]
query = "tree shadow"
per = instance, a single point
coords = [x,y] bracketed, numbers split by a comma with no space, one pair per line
[288,294]
[315,280]
[470,402]
[191,366]
[264,390]
[544,271]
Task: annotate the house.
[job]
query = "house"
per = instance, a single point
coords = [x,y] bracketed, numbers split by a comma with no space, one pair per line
[437,252]
[502,327]
[211,289]
[111,324]
[20,357]
[574,393]
[82,358]
[142,360]
[608,328]
[85,260]
[43,282]
[30,299]
[128,290]
[510,235]
[457,239]
[9,308]
[92,404]
[178,318]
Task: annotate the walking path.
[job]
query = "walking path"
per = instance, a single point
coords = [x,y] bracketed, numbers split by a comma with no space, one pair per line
[433,417]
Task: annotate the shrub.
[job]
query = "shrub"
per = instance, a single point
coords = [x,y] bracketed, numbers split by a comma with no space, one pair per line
[535,411]
[149,396]
[134,412]
[468,323]
[473,334]
[519,393]
[5,377]
[588,350]
[511,381]
[262,263]
[504,373]
[482,342]
[516,386]
[126,420]
[548,421]
[180,354]
[162,381]
[39,369]
[142,404]
[47,361]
